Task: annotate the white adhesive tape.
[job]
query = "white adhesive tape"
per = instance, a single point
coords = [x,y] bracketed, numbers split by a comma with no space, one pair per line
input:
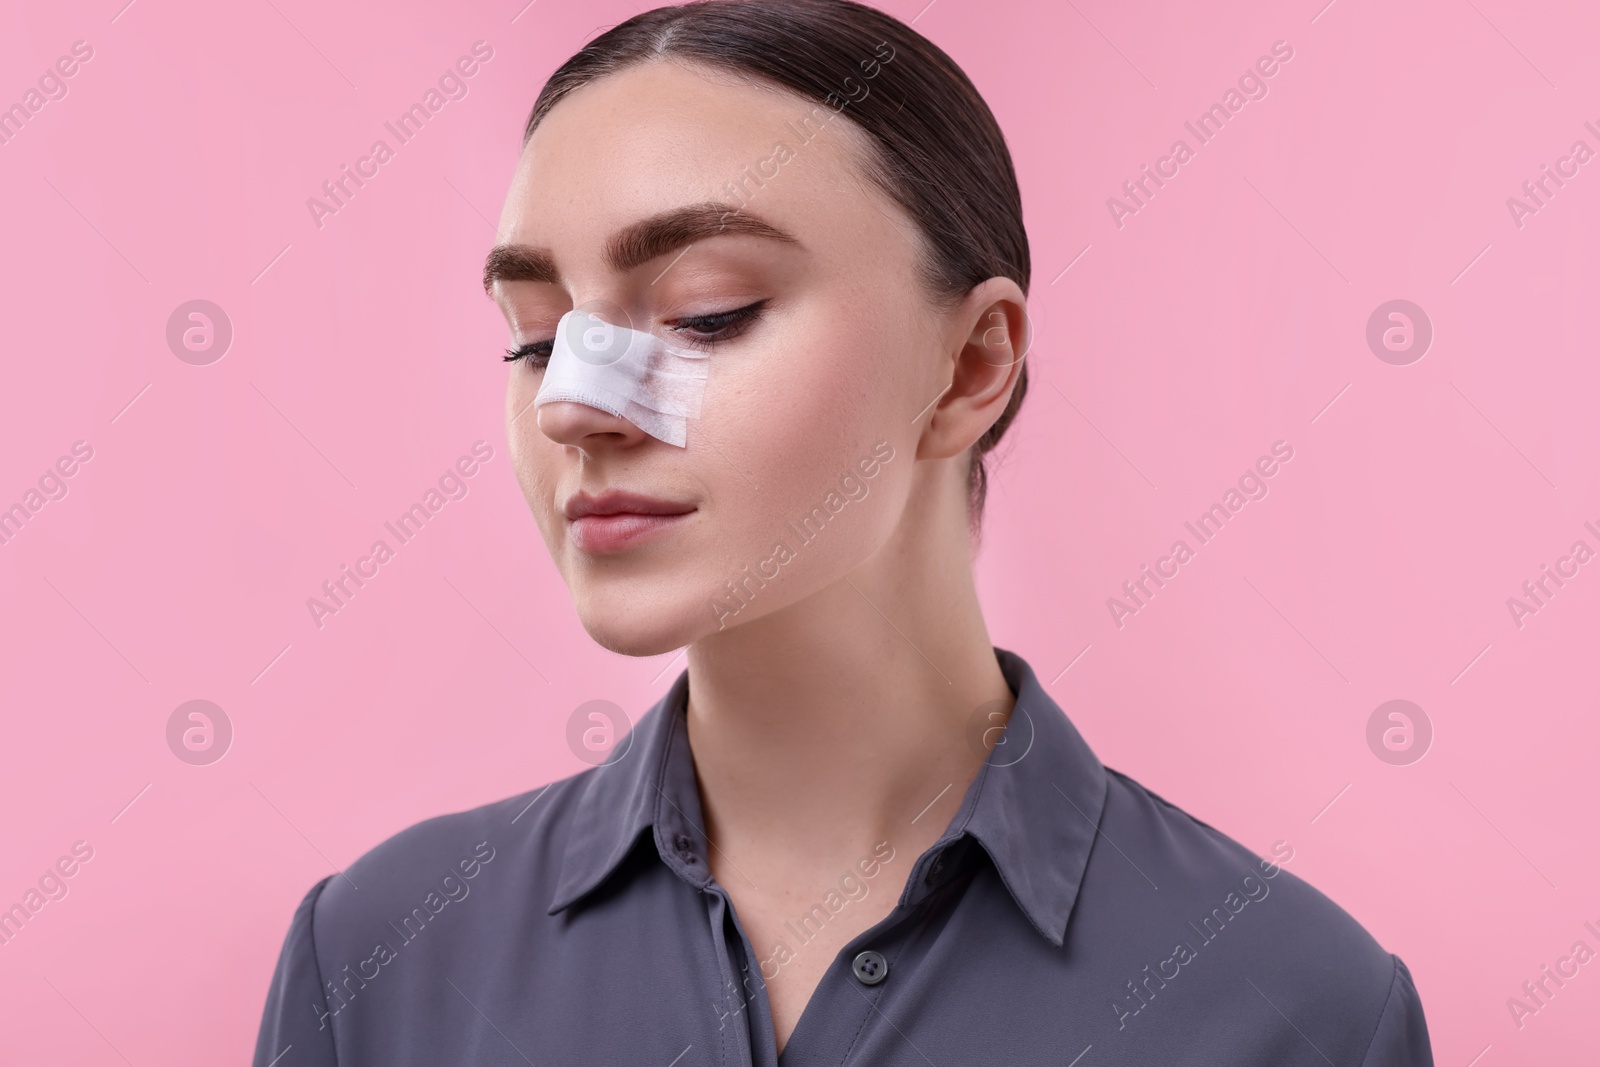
[624,372]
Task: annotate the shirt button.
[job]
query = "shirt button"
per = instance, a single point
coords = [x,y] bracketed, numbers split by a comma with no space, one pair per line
[685,846]
[870,967]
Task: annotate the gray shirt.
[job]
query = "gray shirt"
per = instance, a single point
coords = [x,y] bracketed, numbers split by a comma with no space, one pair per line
[1067,916]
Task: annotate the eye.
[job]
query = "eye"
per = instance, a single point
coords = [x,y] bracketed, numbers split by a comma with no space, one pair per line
[723,326]
[537,353]
[702,331]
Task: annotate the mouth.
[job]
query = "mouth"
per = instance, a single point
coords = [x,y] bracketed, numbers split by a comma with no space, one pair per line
[615,520]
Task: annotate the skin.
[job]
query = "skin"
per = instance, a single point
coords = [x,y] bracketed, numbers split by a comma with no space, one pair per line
[831,712]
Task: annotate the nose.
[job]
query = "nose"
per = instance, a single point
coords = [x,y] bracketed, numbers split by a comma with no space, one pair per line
[568,422]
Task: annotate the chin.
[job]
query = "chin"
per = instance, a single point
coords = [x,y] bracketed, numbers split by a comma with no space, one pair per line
[630,627]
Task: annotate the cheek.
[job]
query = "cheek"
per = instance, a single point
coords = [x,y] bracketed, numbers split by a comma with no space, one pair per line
[533,455]
[782,425]
[789,425]
[825,387]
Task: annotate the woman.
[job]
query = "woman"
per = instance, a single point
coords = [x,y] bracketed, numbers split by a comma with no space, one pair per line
[765,273]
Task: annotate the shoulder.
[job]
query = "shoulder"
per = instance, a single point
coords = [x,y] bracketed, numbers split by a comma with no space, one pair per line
[510,847]
[1268,938]
[352,924]
[1205,868]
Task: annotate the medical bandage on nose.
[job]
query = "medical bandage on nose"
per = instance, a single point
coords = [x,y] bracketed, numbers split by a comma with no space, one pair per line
[628,373]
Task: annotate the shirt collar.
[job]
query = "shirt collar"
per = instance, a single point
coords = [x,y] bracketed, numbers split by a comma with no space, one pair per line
[1034,805]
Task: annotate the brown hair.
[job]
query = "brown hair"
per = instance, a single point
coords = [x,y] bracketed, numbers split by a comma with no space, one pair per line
[939,152]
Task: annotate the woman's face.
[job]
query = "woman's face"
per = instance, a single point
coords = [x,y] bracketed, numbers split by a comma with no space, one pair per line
[827,377]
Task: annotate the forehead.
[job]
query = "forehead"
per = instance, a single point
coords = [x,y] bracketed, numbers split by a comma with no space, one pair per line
[664,133]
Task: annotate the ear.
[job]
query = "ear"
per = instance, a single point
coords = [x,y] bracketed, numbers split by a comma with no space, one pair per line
[990,335]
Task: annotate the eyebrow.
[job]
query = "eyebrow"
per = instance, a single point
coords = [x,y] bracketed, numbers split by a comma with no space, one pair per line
[636,244]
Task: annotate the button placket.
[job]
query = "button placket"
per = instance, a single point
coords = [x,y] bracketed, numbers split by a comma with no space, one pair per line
[733,1026]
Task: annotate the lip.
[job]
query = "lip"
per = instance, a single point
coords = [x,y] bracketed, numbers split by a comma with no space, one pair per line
[616,520]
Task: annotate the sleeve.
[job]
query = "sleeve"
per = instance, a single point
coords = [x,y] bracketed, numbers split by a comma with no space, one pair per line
[296,1026]
[1401,1037]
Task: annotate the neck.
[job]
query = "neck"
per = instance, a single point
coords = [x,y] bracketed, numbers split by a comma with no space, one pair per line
[831,724]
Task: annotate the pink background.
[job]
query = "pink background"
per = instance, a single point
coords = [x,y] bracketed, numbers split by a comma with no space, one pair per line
[1223,316]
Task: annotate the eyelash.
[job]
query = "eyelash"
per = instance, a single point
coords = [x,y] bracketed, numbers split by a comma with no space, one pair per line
[726,324]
